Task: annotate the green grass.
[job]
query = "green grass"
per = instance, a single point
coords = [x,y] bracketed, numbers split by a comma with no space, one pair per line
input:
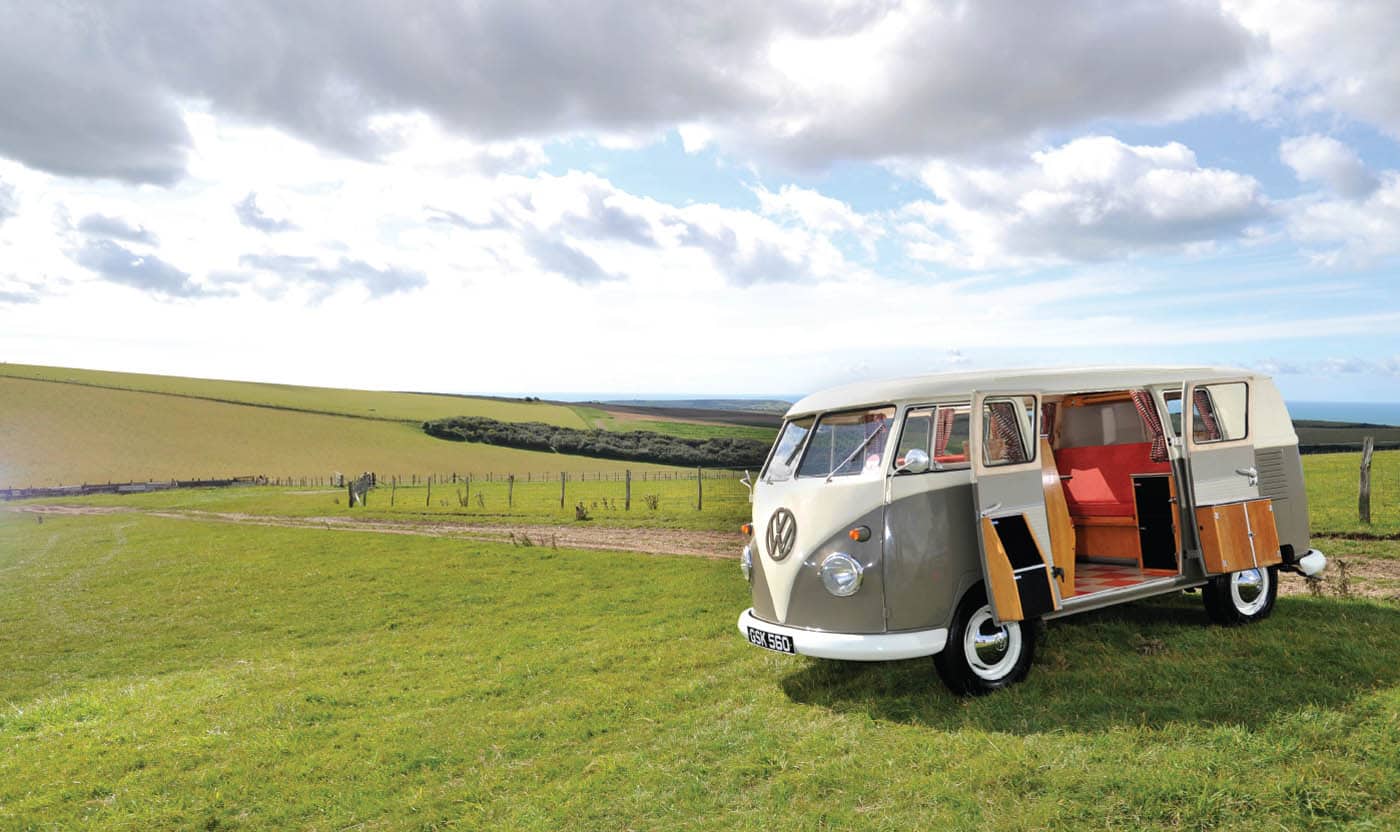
[603,420]
[66,433]
[725,505]
[1333,481]
[163,673]
[370,404]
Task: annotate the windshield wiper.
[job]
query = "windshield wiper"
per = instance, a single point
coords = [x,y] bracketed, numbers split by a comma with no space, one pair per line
[858,449]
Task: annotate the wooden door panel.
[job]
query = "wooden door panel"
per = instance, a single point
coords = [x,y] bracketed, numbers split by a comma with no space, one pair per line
[1224,534]
[1265,531]
[1001,578]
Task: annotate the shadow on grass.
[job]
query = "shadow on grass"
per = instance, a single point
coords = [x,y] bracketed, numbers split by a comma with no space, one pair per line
[1147,664]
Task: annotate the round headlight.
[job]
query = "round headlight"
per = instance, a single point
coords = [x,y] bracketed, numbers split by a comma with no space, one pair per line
[746,562]
[841,574]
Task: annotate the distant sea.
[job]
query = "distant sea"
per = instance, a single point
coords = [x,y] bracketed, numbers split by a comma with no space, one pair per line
[1376,413]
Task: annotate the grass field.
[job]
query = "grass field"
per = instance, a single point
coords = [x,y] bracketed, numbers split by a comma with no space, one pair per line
[164,673]
[725,503]
[605,420]
[65,433]
[1333,482]
[370,404]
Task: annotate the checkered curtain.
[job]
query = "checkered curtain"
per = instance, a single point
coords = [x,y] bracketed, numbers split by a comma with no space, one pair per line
[1209,429]
[943,431]
[1148,411]
[1047,418]
[1003,417]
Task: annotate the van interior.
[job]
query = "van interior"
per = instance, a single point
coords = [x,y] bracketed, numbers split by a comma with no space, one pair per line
[1110,492]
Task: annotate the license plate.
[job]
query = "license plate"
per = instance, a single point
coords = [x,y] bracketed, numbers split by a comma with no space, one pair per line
[771,641]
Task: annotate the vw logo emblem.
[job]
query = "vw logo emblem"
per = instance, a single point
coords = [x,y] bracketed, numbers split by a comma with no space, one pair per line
[782,533]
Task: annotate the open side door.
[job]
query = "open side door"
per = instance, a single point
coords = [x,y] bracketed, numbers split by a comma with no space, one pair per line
[1236,528]
[1012,527]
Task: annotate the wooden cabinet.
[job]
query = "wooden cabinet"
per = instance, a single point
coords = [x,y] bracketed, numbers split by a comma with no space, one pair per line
[1236,536]
[1265,532]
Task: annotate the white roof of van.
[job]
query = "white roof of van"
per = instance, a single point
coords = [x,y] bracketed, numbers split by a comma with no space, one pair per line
[1049,380]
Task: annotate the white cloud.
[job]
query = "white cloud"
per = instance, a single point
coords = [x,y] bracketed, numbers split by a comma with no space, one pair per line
[1349,232]
[927,79]
[1326,161]
[817,212]
[97,90]
[1324,58]
[1093,198]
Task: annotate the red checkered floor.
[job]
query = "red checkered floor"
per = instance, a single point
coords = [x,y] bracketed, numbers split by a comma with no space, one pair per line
[1096,577]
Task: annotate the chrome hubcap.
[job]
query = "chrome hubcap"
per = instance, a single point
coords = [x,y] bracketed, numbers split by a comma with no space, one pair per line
[1249,590]
[991,650]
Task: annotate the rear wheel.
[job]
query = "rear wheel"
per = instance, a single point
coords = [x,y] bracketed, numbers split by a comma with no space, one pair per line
[1241,597]
[981,656]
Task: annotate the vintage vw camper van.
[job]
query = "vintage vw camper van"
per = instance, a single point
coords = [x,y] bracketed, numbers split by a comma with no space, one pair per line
[947,515]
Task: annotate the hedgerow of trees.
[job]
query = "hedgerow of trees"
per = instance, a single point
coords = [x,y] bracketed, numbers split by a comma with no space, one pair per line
[638,445]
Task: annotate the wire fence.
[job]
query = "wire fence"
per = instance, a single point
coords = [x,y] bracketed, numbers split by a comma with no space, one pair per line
[380,480]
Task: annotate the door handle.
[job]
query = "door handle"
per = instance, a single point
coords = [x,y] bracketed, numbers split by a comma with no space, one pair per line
[1252,473]
[989,510]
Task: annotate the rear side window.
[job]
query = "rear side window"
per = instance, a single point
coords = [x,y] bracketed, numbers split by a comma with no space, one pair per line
[1219,412]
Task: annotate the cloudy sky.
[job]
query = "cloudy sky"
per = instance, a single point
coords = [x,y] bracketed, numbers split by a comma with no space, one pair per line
[711,197]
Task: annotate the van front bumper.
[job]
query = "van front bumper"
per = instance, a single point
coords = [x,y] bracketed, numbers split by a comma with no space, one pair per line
[873,647]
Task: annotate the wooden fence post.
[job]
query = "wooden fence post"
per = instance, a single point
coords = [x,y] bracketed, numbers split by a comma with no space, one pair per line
[510,492]
[699,490]
[1363,502]
[561,489]
[350,492]
[627,501]
[468,497]
[429,502]
[393,491]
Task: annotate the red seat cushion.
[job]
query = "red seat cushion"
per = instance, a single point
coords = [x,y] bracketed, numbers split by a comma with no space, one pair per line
[1100,477]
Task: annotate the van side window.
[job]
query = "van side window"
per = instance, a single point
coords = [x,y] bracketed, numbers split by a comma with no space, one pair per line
[917,433]
[1173,400]
[951,434]
[940,431]
[1007,426]
[1220,412]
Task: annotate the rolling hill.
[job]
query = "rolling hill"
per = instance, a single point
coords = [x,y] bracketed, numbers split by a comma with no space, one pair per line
[364,404]
[55,430]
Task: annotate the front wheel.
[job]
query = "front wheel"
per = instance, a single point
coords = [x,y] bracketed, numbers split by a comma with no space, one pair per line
[981,656]
[1241,597]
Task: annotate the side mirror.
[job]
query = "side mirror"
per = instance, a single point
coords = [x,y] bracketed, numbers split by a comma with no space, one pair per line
[916,461]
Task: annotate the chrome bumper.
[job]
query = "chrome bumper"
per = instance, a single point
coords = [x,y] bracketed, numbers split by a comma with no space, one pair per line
[870,647]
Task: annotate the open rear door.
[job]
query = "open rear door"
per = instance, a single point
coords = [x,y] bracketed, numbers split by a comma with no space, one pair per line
[1236,528]
[1013,532]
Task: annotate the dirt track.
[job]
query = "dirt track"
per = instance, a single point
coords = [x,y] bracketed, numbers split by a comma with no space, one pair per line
[1365,576]
[654,541]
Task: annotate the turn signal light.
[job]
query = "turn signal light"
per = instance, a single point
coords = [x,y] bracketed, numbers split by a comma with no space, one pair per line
[747,528]
[860,534]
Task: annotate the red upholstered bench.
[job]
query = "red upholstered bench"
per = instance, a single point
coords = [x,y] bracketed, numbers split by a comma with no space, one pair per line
[1100,480]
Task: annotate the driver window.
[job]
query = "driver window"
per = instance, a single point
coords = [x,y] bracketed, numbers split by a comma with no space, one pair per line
[940,431]
[917,433]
